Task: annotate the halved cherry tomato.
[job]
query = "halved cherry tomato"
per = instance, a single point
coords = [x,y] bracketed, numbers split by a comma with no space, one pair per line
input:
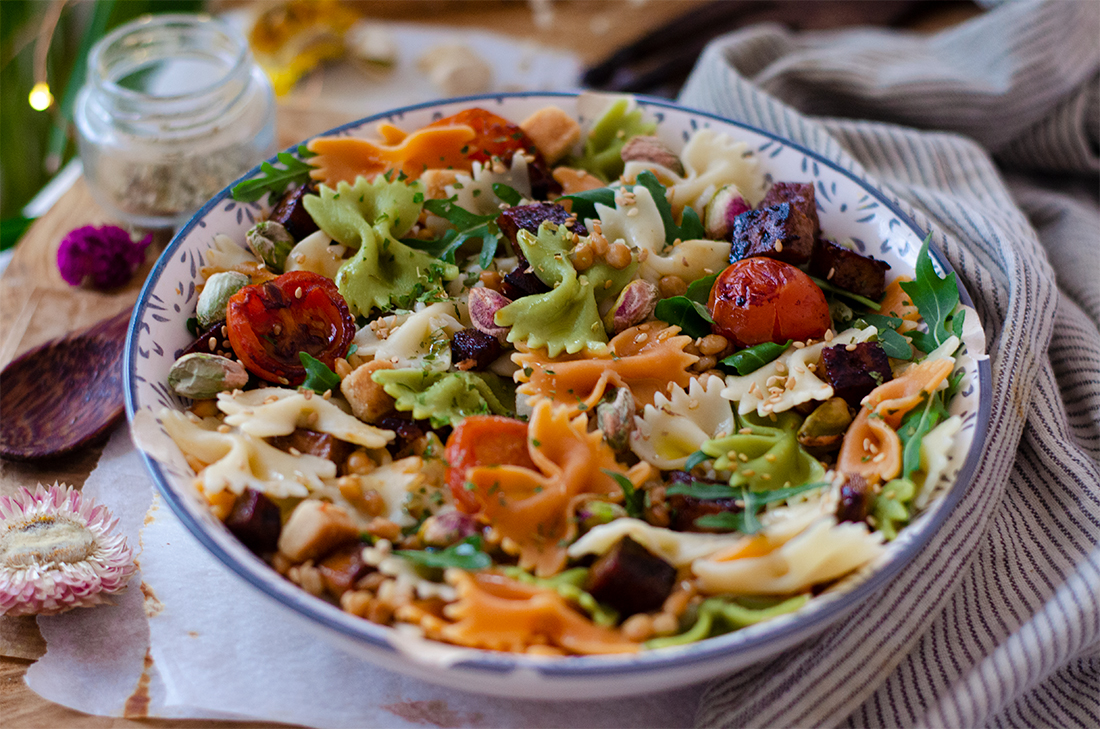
[483,440]
[271,322]
[759,299]
[496,136]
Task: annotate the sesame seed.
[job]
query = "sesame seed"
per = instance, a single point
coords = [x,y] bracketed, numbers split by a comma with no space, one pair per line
[748,473]
[223,428]
[633,212]
[850,348]
[327,395]
[778,247]
[831,272]
[745,431]
[771,458]
[879,458]
[307,394]
[743,457]
[298,292]
[294,451]
[799,345]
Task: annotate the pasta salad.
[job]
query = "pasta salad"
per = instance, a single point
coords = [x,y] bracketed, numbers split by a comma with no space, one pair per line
[544,387]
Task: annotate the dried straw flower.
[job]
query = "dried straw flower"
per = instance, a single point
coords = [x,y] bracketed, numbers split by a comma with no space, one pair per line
[58,551]
[106,255]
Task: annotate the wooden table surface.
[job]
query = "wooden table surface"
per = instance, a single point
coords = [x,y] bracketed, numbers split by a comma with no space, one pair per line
[37,305]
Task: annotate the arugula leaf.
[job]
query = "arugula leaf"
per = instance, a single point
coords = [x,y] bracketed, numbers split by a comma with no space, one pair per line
[691,316]
[508,194]
[466,555]
[751,359]
[274,179]
[633,499]
[914,426]
[705,491]
[584,202]
[468,226]
[935,298]
[695,459]
[894,343]
[745,521]
[690,226]
[826,286]
[319,377]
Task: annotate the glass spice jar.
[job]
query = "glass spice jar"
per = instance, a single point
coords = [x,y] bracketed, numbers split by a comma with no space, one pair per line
[173,110]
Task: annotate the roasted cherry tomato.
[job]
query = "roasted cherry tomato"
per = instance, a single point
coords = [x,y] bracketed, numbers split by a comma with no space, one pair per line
[496,136]
[483,440]
[761,299]
[270,323]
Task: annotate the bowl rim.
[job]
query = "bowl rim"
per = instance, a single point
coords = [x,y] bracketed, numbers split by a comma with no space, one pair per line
[713,649]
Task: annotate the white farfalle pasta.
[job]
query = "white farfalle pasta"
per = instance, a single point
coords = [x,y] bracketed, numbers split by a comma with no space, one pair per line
[789,380]
[674,426]
[317,254]
[933,458]
[236,461]
[711,160]
[677,548]
[639,225]
[225,255]
[824,551]
[423,340]
[475,193]
[272,411]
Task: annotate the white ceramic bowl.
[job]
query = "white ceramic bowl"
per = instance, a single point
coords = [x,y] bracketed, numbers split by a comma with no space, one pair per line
[849,208]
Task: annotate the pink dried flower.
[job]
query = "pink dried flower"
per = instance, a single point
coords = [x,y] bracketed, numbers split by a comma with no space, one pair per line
[58,551]
[107,255]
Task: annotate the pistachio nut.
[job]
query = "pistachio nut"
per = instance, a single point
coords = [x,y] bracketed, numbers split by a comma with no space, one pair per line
[443,530]
[634,305]
[215,295]
[483,305]
[594,513]
[615,418]
[271,243]
[719,214]
[201,376]
[824,428]
[651,149]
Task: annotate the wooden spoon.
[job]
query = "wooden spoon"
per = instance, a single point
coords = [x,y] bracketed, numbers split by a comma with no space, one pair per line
[64,394]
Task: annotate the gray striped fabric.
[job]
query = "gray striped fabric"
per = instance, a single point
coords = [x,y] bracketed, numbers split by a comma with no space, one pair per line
[997,622]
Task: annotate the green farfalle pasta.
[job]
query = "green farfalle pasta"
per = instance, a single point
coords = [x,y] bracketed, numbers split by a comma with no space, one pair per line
[716,616]
[370,216]
[767,458]
[445,397]
[891,507]
[569,585]
[603,148]
[567,317]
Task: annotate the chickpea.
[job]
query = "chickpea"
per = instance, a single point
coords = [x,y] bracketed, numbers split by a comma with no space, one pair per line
[672,286]
[638,627]
[712,344]
[583,258]
[490,280]
[619,256]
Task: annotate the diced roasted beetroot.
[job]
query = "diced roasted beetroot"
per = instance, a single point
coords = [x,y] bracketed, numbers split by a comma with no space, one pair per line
[256,521]
[473,350]
[855,499]
[630,578]
[406,432]
[341,568]
[849,270]
[799,195]
[780,231]
[522,282]
[314,443]
[222,346]
[683,510]
[292,214]
[530,217]
[854,372]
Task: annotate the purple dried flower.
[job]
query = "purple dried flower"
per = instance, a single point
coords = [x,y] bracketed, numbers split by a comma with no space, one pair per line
[107,255]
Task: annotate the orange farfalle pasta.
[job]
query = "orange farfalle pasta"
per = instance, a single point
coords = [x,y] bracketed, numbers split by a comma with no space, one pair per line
[495,612]
[647,358]
[897,303]
[343,159]
[534,509]
[871,446]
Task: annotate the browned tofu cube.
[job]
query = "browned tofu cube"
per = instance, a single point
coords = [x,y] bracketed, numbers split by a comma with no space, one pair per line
[780,231]
[530,217]
[798,194]
[854,370]
[849,270]
[317,444]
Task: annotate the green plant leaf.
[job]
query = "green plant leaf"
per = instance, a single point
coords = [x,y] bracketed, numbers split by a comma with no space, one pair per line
[699,290]
[751,359]
[695,459]
[705,491]
[584,203]
[935,298]
[273,179]
[468,226]
[12,229]
[466,555]
[691,316]
[826,286]
[319,377]
[633,499]
[690,228]
[508,194]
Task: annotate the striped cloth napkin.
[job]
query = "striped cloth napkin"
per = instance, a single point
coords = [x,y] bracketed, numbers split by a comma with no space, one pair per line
[987,134]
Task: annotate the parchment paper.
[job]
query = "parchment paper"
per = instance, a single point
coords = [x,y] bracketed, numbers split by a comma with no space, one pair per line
[220,649]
